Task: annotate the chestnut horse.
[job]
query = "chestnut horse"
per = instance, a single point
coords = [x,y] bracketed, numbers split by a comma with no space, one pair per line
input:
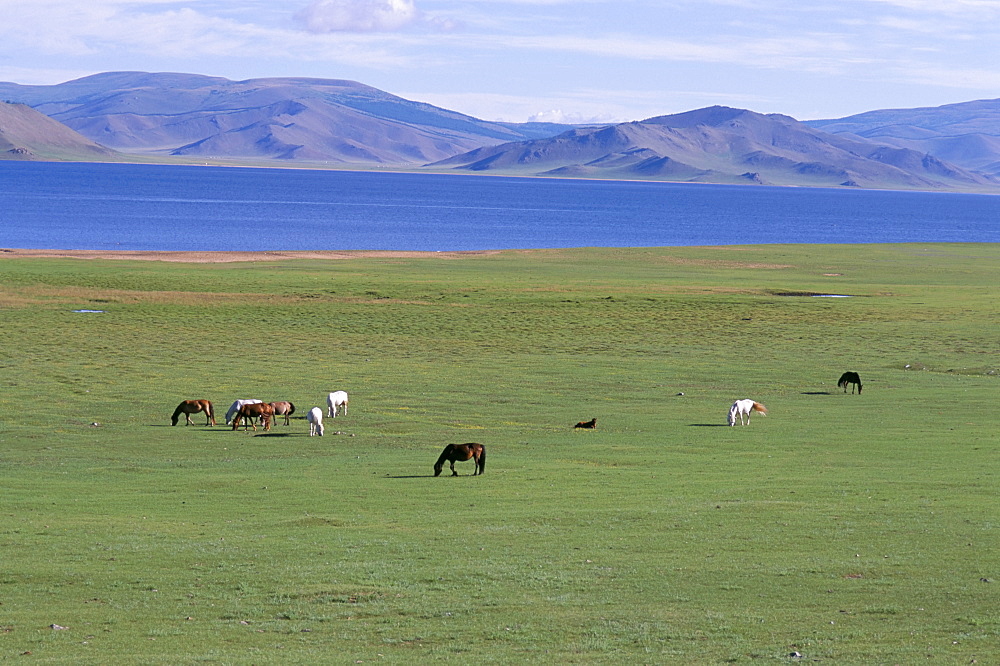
[252,411]
[189,407]
[458,452]
[235,407]
[285,409]
[591,424]
[849,378]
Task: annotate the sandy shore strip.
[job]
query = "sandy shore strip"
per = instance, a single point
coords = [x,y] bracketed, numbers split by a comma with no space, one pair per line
[227,257]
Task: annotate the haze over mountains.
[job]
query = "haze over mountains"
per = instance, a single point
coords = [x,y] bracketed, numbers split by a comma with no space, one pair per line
[320,122]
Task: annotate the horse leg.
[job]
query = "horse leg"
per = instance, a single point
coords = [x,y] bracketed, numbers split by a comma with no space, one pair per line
[187,418]
[453,472]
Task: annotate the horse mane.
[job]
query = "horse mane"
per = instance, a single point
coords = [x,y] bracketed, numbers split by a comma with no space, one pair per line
[177,413]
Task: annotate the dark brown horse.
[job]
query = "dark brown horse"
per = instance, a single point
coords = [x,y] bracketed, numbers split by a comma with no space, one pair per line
[257,410]
[592,424]
[189,407]
[458,452]
[850,378]
[285,409]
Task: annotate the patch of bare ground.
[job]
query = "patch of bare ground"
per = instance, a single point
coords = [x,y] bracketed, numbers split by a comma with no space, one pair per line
[229,257]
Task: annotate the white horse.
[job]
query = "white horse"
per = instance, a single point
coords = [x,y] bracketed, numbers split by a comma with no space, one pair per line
[315,418]
[335,400]
[743,408]
[235,407]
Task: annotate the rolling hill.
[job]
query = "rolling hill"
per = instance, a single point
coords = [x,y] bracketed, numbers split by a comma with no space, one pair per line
[26,134]
[722,145]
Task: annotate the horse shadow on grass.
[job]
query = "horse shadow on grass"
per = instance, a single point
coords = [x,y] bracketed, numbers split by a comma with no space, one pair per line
[817,393]
[707,425]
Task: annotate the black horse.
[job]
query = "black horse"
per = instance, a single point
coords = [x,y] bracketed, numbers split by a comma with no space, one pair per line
[849,378]
[458,452]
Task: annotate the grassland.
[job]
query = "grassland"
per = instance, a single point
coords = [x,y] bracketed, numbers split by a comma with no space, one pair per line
[841,528]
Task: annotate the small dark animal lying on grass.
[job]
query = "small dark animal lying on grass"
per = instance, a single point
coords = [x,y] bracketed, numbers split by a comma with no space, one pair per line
[458,452]
[849,378]
[592,424]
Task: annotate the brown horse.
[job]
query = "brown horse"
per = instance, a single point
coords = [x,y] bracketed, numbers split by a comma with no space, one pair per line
[260,410]
[458,452]
[189,407]
[285,409]
[591,424]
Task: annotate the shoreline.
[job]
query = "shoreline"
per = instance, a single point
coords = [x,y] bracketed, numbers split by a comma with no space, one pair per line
[214,257]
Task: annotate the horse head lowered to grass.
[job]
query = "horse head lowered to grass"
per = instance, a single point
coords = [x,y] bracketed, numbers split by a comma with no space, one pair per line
[315,418]
[255,410]
[189,407]
[458,452]
[235,407]
[743,408]
[849,378]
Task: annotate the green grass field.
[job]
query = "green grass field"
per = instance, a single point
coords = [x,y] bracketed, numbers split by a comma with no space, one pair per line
[841,528]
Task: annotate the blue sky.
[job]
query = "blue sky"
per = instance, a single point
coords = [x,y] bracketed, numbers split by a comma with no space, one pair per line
[519,60]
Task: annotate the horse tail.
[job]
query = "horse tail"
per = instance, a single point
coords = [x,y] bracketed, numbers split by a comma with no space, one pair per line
[210,410]
[291,409]
[482,460]
[757,407]
[177,413]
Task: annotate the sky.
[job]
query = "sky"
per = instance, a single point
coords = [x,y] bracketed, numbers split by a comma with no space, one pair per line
[539,60]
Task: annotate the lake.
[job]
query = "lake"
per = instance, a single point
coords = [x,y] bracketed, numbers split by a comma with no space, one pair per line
[151,207]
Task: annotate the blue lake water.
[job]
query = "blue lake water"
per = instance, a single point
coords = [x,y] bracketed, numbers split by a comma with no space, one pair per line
[150,207]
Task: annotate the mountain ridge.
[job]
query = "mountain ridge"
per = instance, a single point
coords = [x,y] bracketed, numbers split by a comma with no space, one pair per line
[722,144]
[171,116]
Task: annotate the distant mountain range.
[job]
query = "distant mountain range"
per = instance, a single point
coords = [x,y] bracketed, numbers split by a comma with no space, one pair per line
[723,145]
[305,120]
[967,134]
[319,122]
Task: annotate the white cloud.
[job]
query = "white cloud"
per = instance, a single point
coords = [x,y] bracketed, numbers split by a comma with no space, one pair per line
[323,16]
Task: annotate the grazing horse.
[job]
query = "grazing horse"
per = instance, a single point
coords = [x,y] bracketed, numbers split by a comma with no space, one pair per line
[743,408]
[335,400]
[849,378]
[457,452]
[189,407]
[285,409]
[247,413]
[235,407]
[592,424]
[315,418]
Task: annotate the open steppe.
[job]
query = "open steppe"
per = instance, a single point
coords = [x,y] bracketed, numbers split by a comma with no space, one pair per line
[845,529]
